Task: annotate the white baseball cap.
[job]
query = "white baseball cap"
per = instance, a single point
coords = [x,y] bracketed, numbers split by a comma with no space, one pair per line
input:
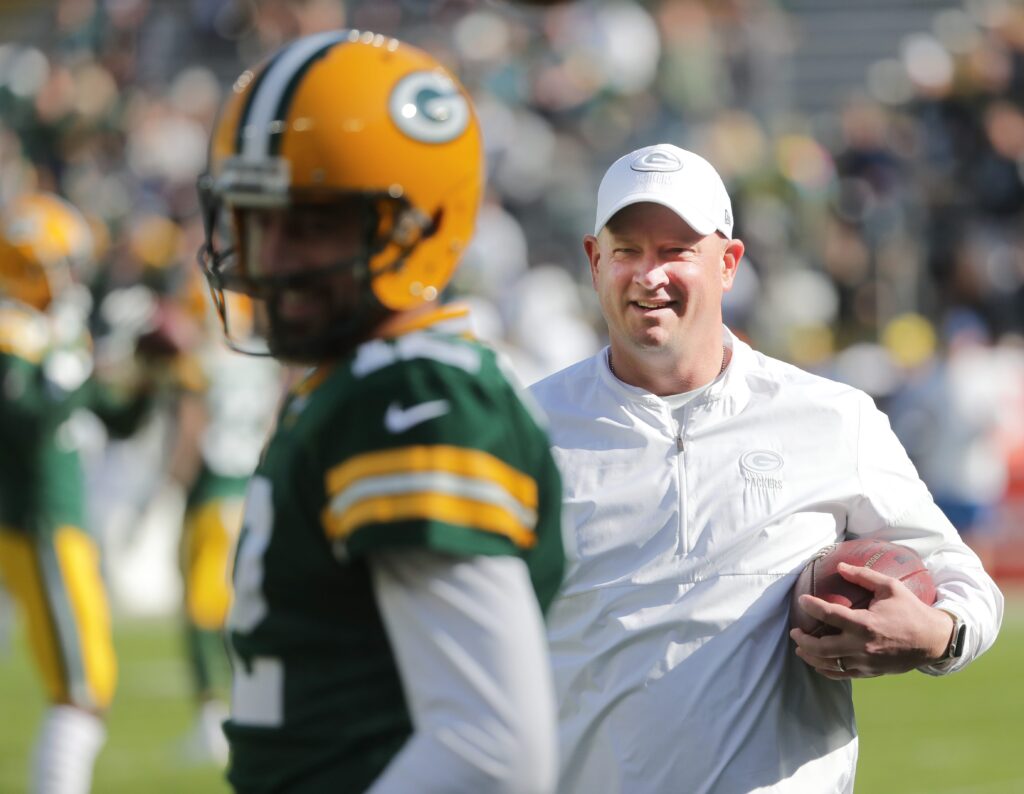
[664,174]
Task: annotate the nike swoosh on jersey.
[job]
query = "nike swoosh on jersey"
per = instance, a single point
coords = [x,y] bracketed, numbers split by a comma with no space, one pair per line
[398,419]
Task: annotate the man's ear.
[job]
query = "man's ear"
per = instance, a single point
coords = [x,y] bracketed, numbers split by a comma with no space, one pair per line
[593,250]
[730,262]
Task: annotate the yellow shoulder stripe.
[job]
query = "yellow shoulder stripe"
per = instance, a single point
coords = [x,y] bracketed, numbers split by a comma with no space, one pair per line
[439,457]
[430,506]
[454,485]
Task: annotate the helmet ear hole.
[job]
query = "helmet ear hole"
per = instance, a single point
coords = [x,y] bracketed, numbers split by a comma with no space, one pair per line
[435,223]
[412,227]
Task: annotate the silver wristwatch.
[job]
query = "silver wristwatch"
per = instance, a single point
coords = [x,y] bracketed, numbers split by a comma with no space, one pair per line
[957,638]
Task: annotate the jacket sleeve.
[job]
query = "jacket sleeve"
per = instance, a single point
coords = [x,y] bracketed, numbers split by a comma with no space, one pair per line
[895,505]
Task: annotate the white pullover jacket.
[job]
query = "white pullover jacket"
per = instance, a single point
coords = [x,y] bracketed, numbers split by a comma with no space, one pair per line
[673,666]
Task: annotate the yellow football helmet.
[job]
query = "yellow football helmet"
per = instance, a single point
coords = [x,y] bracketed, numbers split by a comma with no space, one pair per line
[357,126]
[44,244]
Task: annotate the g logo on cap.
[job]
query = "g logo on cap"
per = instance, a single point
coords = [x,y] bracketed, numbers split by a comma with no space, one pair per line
[428,107]
[657,160]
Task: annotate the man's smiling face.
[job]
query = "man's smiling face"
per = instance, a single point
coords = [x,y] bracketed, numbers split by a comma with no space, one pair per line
[657,279]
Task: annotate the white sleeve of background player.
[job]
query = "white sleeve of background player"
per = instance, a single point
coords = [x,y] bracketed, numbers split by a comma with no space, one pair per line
[469,639]
[896,506]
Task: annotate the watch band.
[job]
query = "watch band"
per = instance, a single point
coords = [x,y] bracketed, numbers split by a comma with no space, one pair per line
[957,638]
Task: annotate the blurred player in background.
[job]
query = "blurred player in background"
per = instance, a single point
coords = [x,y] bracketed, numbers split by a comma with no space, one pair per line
[223,416]
[401,533]
[48,559]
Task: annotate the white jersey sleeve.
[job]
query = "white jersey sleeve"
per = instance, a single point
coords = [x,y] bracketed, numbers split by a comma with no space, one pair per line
[469,640]
[897,506]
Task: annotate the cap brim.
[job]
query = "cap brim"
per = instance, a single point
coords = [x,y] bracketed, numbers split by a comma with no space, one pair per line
[697,221]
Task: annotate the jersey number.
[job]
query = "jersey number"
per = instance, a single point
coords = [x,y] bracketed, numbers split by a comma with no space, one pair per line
[257,689]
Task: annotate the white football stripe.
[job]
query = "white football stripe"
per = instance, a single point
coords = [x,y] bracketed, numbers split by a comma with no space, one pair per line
[438,348]
[269,90]
[378,353]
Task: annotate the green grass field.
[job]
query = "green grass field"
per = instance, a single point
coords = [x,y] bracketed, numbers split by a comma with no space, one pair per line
[958,735]
[955,735]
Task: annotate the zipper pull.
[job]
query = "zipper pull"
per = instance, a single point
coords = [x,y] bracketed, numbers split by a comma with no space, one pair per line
[679,442]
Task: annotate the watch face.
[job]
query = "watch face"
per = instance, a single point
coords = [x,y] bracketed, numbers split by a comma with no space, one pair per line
[956,649]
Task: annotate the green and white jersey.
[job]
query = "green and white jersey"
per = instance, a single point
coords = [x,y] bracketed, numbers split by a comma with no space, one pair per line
[46,367]
[41,378]
[417,441]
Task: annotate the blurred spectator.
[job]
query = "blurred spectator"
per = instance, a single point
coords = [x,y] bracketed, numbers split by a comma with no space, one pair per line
[947,414]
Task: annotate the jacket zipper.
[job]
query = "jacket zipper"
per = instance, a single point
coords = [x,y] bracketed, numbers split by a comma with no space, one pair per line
[684,540]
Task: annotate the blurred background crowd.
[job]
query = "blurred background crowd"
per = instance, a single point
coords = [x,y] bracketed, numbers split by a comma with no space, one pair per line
[874,153]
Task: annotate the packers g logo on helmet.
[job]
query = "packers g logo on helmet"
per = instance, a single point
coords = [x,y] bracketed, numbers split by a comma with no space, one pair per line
[427,106]
[362,123]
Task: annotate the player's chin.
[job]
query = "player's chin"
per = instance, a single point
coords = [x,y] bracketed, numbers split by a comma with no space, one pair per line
[651,337]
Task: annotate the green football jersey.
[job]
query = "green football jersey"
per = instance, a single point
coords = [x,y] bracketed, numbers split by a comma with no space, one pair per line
[45,375]
[417,441]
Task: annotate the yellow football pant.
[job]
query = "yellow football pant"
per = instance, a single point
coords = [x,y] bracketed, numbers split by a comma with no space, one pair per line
[56,581]
[209,539]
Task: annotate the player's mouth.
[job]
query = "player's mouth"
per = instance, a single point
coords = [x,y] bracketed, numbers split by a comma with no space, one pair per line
[651,306]
[303,308]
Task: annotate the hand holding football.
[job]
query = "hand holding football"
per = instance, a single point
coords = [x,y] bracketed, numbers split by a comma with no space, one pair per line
[821,578]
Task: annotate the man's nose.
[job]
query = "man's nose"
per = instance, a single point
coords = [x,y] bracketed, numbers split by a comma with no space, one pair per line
[651,274]
[277,256]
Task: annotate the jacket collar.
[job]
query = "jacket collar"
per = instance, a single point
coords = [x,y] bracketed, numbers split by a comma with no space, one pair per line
[732,390]
[728,395]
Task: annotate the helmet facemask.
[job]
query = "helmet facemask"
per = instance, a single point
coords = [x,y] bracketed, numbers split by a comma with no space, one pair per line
[305,266]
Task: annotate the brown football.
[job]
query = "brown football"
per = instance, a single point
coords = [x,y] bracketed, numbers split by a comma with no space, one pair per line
[821,578]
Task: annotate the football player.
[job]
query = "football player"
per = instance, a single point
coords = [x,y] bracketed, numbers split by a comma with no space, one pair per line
[401,534]
[48,560]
